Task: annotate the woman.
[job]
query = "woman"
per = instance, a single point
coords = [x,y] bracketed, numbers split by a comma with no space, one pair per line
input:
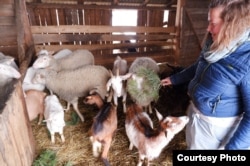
[219,85]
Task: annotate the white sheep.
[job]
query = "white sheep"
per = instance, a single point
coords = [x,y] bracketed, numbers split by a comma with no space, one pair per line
[6,59]
[69,85]
[148,140]
[27,83]
[144,82]
[146,62]
[54,117]
[7,73]
[76,59]
[60,54]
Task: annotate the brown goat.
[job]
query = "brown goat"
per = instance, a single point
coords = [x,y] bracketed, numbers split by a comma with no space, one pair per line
[145,138]
[103,127]
[34,100]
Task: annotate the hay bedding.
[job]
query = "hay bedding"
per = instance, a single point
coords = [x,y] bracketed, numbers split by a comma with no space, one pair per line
[77,149]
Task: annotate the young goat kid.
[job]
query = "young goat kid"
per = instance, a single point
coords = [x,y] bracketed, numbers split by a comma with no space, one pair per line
[103,127]
[54,117]
[145,138]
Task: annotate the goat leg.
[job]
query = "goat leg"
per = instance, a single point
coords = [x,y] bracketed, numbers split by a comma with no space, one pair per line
[105,151]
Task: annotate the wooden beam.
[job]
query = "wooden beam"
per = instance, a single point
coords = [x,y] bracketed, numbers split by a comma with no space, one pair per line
[100,29]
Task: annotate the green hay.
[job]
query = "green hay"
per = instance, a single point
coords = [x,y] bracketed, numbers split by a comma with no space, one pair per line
[150,87]
[46,158]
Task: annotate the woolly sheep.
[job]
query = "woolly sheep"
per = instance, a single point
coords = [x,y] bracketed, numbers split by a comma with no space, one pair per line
[144,78]
[27,83]
[146,62]
[8,73]
[54,117]
[5,59]
[74,60]
[60,54]
[69,85]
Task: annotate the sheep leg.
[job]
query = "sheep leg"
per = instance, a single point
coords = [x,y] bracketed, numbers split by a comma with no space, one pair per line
[68,106]
[75,106]
[40,118]
[105,151]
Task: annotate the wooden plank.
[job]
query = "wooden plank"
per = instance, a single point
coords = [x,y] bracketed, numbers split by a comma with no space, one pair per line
[7,10]
[99,29]
[10,40]
[101,47]
[6,1]
[17,148]
[10,50]
[7,20]
[44,38]
[8,31]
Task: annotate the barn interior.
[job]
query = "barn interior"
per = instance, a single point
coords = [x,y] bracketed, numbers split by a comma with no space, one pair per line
[169,31]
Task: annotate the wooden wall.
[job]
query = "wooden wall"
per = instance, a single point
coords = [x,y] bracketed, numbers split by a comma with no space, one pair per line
[17,146]
[58,26]
[193,29]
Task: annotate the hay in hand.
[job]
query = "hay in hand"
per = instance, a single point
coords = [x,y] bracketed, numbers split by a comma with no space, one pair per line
[148,90]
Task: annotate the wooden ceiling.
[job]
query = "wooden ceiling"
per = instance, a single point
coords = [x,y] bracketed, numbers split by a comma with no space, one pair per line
[121,3]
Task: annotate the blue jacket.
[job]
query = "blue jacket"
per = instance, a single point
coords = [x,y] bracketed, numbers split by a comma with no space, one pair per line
[222,89]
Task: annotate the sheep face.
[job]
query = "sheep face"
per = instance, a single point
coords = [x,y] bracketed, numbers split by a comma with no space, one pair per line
[43,61]
[39,78]
[9,71]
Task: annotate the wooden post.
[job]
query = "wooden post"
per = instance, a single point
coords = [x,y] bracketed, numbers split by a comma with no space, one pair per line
[178,23]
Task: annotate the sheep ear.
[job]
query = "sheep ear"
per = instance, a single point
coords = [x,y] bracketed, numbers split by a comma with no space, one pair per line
[159,116]
[51,52]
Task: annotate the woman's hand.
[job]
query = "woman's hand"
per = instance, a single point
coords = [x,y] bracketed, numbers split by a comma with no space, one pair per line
[166,81]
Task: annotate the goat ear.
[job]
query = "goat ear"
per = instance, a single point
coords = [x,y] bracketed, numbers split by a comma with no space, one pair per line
[125,77]
[159,116]
[117,72]
[110,72]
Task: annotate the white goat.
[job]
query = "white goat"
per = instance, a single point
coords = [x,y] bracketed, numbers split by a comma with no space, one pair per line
[117,83]
[76,59]
[54,117]
[147,140]
[118,88]
[69,85]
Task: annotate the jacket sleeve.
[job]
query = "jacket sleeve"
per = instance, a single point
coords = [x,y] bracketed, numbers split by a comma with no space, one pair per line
[240,139]
[185,75]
